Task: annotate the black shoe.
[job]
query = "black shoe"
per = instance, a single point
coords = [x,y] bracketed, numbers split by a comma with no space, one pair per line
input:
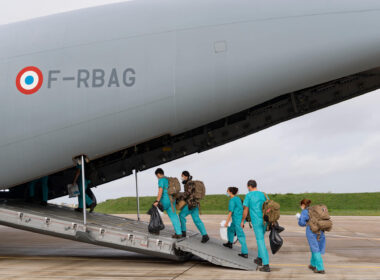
[258,261]
[244,256]
[319,271]
[228,245]
[176,236]
[205,238]
[183,233]
[265,268]
[79,209]
[44,203]
[313,268]
[92,207]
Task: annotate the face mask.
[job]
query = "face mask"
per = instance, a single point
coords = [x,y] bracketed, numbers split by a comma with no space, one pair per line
[227,195]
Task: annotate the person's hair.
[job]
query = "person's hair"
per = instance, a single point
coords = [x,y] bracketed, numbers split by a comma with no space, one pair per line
[186,173]
[159,171]
[252,184]
[233,190]
[305,202]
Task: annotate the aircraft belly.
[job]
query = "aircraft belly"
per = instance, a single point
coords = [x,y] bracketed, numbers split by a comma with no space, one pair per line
[53,151]
[266,59]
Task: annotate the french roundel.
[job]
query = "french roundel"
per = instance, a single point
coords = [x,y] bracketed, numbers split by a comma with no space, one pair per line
[29,80]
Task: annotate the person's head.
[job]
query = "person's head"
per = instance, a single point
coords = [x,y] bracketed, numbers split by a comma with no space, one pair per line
[232,191]
[252,185]
[185,175]
[159,173]
[305,203]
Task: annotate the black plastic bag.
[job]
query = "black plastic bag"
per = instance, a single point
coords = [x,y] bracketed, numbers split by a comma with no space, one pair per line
[155,223]
[275,240]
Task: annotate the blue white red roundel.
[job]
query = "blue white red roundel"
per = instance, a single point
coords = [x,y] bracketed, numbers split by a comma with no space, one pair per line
[29,80]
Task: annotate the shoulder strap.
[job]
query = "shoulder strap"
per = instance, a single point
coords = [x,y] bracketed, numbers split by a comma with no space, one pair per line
[266,196]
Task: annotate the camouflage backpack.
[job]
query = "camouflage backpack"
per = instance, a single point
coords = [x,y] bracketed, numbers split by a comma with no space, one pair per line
[195,191]
[200,190]
[271,211]
[319,219]
[174,187]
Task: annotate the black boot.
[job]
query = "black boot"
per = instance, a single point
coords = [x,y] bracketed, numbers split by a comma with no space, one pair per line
[265,268]
[92,207]
[79,209]
[183,233]
[313,268]
[258,261]
[244,256]
[319,271]
[228,245]
[205,238]
[43,203]
[176,236]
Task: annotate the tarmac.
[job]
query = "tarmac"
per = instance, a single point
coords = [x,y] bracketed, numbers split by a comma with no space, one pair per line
[353,252]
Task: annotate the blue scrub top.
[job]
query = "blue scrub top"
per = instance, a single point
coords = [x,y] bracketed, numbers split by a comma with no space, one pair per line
[236,207]
[254,200]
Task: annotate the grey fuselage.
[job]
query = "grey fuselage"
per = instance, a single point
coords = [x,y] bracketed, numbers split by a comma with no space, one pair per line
[117,75]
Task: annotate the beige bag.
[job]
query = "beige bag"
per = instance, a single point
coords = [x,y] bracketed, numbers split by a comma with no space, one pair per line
[272,210]
[319,219]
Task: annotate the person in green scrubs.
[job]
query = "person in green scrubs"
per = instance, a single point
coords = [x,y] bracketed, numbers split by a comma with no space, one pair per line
[164,199]
[89,202]
[235,208]
[45,189]
[253,203]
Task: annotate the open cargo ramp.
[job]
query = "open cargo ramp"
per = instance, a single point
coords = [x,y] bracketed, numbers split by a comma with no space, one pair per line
[214,252]
[116,232]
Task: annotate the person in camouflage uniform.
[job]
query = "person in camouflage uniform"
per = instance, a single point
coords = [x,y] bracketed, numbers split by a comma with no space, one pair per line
[191,207]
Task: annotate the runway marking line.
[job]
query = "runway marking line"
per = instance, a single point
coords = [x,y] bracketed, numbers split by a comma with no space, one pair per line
[332,266]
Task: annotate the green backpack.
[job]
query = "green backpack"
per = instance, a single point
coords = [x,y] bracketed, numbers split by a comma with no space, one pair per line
[271,211]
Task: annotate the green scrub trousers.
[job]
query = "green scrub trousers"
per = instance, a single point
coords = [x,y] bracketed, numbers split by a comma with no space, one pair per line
[196,219]
[45,190]
[262,251]
[80,197]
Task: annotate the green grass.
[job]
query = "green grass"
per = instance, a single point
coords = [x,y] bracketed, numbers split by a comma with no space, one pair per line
[349,204]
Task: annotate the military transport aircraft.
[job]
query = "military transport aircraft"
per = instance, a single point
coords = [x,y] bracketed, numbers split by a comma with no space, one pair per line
[136,84]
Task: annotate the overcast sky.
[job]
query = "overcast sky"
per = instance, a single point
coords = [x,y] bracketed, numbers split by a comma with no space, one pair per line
[332,150]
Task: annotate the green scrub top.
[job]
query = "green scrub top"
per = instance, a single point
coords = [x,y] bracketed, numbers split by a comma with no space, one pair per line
[163,183]
[236,207]
[254,201]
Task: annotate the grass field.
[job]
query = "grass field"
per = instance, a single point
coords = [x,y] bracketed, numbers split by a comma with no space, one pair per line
[352,204]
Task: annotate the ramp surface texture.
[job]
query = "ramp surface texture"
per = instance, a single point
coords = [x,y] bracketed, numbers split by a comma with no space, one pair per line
[117,232]
[214,252]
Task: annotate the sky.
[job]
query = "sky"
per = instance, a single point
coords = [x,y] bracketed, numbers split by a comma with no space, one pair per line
[335,149]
